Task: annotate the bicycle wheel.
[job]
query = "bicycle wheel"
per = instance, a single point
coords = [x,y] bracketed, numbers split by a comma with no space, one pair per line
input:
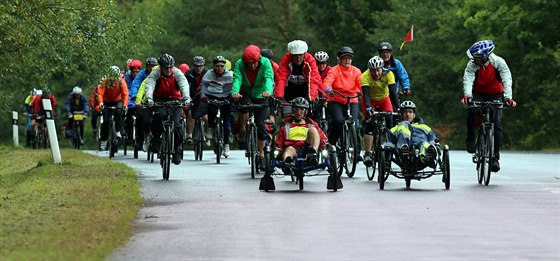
[218,140]
[446,169]
[198,138]
[370,171]
[384,168]
[489,159]
[167,152]
[253,151]
[333,170]
[352,151]
[479,156]
[76,136]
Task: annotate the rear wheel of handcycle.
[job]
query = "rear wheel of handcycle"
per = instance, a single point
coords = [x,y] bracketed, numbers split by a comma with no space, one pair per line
[489,157]
[352,151]
[333,170]
[446,169]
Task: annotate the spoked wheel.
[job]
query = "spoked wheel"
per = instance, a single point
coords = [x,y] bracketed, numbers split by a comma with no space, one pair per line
[167,147]
[351,151]
[198,138]
[479,154]
[76,136]
[253,150]
[446,169]
[253,165]
[489,157]
[384,168]
[376,151]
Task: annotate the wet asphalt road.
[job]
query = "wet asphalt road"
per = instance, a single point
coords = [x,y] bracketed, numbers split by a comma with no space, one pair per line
[216,212]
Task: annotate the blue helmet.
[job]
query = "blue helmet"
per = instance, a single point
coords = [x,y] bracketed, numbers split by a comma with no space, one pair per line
[481,49]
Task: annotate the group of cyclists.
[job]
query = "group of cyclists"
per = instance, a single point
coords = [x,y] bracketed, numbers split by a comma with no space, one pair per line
[301,79]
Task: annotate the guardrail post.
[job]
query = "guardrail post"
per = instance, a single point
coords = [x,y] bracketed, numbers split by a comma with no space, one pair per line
[51,128]
[15,131]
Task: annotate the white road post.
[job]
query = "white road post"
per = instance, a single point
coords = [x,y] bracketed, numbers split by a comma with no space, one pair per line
[51,128]
[15,118]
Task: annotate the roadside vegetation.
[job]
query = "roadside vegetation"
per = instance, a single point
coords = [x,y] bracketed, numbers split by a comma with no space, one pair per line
[81,209]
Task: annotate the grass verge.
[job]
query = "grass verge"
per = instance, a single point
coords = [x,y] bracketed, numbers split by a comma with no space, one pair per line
[81,209]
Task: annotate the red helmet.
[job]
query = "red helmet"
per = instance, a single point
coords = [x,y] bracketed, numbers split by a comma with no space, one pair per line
[135,64]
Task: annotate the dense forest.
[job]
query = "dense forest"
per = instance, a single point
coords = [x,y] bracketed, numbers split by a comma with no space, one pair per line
[64,43]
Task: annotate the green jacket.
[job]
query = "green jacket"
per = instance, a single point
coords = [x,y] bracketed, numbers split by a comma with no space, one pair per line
[263,83]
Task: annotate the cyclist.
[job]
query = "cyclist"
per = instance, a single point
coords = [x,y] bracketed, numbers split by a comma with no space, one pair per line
[95,109]
[76,101]
[376,85]
[324,68]
[413,134]
[134,67]
[253,79]
[346,79]
[112,91]
[194,76]
[298,75]
[300,136]
[385,50]
[27,113]
[216,84]
[167,83]
[487,78]
[37,109]
[144,114]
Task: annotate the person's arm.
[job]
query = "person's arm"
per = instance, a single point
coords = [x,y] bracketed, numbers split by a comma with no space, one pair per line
[124,91]
[151,83]
[282,76]
[505,74]
[84,103]
[468,78]
[315,82]
[237,77]
[268,75]
[68,104]
[403,76]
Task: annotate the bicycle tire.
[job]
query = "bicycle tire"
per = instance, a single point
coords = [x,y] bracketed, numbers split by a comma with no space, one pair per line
[352,158]
[479,155]
[300,180]
[76,135]
[168,152]
[218,140]
[384,168]
[489,155]
[370,171]
[446,169]
[333,170]
[251,145]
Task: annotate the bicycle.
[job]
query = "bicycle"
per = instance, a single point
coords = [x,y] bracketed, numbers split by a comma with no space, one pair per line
[484,154]
[378,119]
[40,136]
[218,135]
[199,139]
[347,150]
[252,151]
[167,141]
[112,140]
[77,124]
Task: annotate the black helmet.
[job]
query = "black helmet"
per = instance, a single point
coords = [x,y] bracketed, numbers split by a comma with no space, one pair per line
[408,105]
[198,60]
[151,61]
[344,50]
[166,61]
[219,59]
[384,46]
[267,53]
[300,102]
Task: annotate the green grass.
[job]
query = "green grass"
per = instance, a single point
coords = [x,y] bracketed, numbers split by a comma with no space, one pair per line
[81,209]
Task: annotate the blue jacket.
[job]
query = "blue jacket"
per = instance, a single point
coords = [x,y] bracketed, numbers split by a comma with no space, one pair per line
[401,77]
[140,77]
[71,106]
[131,91]
[413,134]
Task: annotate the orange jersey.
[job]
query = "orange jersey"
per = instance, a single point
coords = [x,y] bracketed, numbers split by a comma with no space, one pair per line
[113,92]
[346,80]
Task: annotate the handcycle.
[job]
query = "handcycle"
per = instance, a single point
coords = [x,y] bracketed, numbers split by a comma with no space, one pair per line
[167,139]
[78,121]
[299,168]
[348,142]
[378,119]
[484,154]
[218,131]
[410,166]
[252,151]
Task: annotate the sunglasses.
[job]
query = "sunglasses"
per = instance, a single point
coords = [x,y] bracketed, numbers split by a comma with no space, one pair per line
[219,66]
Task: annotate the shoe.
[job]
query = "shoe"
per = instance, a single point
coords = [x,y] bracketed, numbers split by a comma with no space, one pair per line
[81,141]
[471,145]
[495,165]
[177,158]
[208,143]
[287,169]
[430,157]
[368,159]
[119,135]
[103,145]
[311,158]
[209,133]
[360,158]
[226,150]
[405,153]
[145,146]
[188,139]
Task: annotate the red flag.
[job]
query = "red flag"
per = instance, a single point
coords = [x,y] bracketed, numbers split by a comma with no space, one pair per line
[409,36]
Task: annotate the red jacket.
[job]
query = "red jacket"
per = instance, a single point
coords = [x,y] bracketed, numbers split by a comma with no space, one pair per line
[36,105]
[283,140]
[310,72]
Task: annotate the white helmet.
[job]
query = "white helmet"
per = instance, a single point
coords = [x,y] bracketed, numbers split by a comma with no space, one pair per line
[77,90]
[321,56]
[375,62]
[116,69]
[39,92]
[297,47]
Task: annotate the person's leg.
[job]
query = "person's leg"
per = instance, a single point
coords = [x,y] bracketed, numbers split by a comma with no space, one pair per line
[336,121]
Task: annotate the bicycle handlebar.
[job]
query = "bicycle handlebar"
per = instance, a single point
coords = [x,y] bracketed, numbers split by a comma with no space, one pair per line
[218,102]
[479,104]
[345,96]
[173,103]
